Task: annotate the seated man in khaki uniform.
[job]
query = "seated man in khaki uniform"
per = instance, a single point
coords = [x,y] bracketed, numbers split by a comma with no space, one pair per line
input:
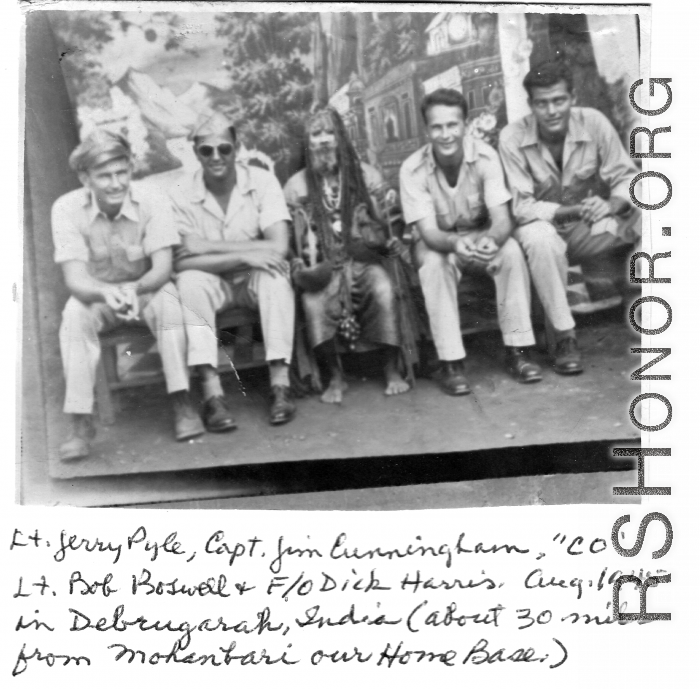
[113,240]
[569,172]
[453,191]
[234,226]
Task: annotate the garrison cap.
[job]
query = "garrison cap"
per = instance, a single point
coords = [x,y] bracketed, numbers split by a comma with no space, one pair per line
[98,148]
[211,123]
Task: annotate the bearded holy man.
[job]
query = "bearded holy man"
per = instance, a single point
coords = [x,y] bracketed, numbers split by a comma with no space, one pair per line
[346,266]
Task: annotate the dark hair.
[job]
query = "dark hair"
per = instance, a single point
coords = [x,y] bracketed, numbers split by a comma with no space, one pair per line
[443,97]
[231,130]
[547,74]
[353,189]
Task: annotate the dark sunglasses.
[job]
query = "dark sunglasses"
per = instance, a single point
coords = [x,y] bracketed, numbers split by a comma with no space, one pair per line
[207,151]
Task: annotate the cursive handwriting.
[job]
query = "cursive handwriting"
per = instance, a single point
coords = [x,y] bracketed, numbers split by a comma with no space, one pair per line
[51,659]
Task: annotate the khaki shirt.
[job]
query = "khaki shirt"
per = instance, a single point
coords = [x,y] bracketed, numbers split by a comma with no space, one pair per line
[118,249]
[426,195]
[594,162]
[256,203]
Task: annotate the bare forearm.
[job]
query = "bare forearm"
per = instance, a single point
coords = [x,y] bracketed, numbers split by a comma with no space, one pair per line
[153,280]
[86,288]
[500,231]
[244,247]
[567,213]
[213,263]
[437,240]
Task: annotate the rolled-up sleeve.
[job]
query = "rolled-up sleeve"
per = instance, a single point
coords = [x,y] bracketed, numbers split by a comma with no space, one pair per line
[272,206]
[184,224]
[416,202]
[526,208]
[491,170]
[295,190]
[69,243]
[616,167]
[159,223]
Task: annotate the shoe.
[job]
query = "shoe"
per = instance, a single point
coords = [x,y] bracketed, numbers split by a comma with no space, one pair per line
[217,417]
[567,357]
[519,365]
[78,444]
[187,422]
[452,379]
[282,408]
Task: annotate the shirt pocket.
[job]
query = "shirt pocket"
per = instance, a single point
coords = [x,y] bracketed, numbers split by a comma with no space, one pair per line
[586,171]
[549,190]
[443,213]
[135,252]
[584,181]
[136,262]
[99,251]
[478,213]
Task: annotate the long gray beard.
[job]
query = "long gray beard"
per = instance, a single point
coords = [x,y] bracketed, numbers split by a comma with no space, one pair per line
[324,162]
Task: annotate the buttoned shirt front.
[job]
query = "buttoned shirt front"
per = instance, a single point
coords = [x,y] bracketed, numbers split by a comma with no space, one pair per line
[594,162]
[115,249]
[256,203]
[426,195]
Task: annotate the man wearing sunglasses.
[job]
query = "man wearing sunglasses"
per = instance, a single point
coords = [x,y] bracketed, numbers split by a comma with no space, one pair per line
[113,240]
[233,224]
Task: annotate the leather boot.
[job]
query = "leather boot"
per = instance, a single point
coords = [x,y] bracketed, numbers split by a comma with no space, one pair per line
[186,420]
[82,432]
[521,367]
[452,379]
[217,416]
[282,407]
[567,357]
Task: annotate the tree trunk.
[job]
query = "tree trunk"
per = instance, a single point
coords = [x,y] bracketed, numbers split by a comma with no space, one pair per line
[320,53]
[343,49]
[363,28]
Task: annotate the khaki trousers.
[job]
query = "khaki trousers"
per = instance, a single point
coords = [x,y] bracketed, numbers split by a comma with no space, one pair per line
[550,250]
[584,247]
[545,251]
[80,346]
[439,277]
[204,294]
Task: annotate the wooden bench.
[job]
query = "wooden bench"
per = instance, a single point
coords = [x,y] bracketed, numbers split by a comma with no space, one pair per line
[108,380]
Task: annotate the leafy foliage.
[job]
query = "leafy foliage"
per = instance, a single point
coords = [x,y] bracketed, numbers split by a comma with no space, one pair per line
[81,37]
[272,84]
[571,44]
[396,37]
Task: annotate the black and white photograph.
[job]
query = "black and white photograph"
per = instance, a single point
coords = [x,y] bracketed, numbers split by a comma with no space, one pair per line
[344,260]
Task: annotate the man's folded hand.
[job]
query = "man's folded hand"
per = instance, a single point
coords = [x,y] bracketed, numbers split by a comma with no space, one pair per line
[594,209]
[131,313]
[268,260]
[115,298]
[486,248]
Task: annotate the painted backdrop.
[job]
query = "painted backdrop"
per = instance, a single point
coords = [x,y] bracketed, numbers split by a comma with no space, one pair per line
[151,75]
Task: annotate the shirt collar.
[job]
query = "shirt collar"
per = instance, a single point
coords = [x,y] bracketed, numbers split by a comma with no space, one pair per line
[244,183]
[128,209]
[577,131]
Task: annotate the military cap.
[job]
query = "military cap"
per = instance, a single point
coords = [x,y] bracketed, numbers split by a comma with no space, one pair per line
[98,148]
[211,123]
